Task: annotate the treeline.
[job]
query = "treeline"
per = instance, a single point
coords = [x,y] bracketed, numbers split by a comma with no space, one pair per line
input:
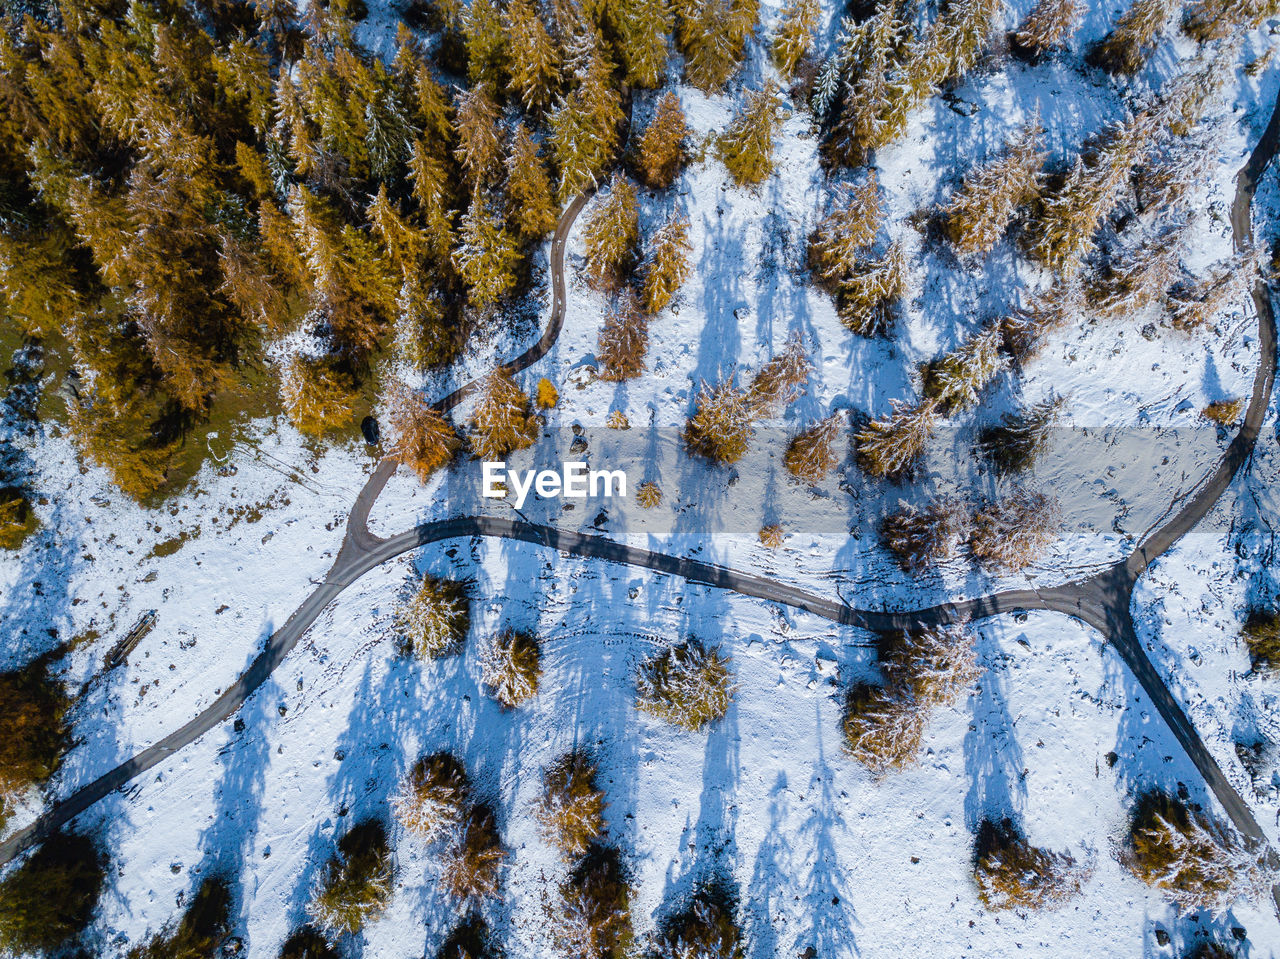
[183,185]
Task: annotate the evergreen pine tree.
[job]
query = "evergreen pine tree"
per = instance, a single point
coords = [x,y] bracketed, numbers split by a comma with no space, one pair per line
[570,810]
[809,456]
[956,379]
[1014,445]
[318,394]
[434,619]
[1134,279]
[1191,305]
[836,246]
[433,796]
[721,425]
[1133,39]
[1207,20]
[782,379]
[1013,532]
[357,885]
[687,685]
[486,40]
[424,440]
[666,263]
[584,124]
[510,667]
[868,295]
[535,63]
[610,234]
[479,148]
[473,865]
[594,921]
[982,208]
[1010,873]
[503,420]
[793,39]
[747,146]
[662,144]
[532,206]
[920,538]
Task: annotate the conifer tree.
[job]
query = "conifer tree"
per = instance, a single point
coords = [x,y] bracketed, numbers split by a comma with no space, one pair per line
[644,27]
[836,246]
[357,885]
[879,93]
[473,865]
[37,283]
[594,921]
[623,341]
[503,420]
[532,205]
[782,379]
[510,667]
[535,63]
[424,440]
[687,685]
[584,124]
[1013,532]
[883,728]
[433,796]
[1010,873]
[1024,328]
[1207,20]
[809,456]
[610,234]
[486,256]
[956,379]
[935,665]
[958,38]
[982,208]
[1049,26]
[721,425]
[747,146]
[318,394]
[433,620]
[1134,279]
[662,144]
[570,810]
[704,928]
[479,148]
[793,39]
[920,538]
[1018,440]
[52,895]
[1133,39]
[868,295]
[666,263]
[712,34]
[1191,305]
[486,40]
[890,446]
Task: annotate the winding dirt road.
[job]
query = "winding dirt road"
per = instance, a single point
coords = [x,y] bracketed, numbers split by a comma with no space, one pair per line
[1102,601]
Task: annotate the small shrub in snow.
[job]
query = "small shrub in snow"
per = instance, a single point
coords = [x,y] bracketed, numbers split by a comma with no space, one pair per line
[307,944]
[17,519]
[1223,412]
[503,420]
[662,143]
[1132,40]
[1014,532]
[1013,874]
[611,233]
[782,379]
[706,928]
[747,146]
[1049,25]
[424,440]
[793,39]
[981,210]
[919,538]
[772,536]
[570,810]
[473,865]
[890,446]
[810,455]
[356,888]
[956,379]
[509,666]
[666,263]
[649,494]
[470,939]
[618,421]
[937,664]
[433,797]
[623,340]
[883,727]
[1189,857]
[434,620]
[594,917]
[1262,636]
[687,685]
[546,396]
[869,293]
[201,931]
[52,895]
[720,428]
[1017,442]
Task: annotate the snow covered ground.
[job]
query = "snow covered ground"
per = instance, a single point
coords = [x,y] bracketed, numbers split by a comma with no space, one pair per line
[822,854]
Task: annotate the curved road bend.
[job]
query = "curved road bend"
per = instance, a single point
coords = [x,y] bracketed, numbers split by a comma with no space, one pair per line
[1102,601]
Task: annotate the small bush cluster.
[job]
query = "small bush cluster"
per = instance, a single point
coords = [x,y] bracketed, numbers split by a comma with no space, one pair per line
[1189,857]
[434,620]
[1262,636]
[1013,874]
[772,535]
[201,931]
[570,810]
[356,886]
[1223,412]
[649,494]
[51,897]
[510,665]
[687,685]
[433,797]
